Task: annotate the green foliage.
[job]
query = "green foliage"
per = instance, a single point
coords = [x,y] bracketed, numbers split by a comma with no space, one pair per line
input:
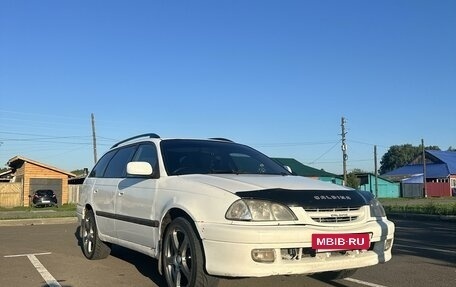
[24,212]
[400,155]
[352,180]
[429,208]
[79,172]
[3,169]
[433,205]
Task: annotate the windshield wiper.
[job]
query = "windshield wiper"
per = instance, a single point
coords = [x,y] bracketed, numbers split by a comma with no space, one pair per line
[227,171]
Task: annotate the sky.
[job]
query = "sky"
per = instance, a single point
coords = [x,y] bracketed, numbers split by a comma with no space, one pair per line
[275,75]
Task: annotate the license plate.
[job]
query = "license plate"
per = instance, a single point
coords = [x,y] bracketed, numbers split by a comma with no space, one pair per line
[347,241]
[46,201]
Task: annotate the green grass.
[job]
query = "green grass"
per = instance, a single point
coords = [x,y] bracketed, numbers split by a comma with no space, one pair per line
[66,210]
[433,206]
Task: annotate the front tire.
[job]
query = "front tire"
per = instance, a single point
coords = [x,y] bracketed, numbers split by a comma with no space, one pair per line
[92,246]
[183,259]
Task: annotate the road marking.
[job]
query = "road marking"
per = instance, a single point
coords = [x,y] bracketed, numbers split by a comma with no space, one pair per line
[50,281]
[25,255]
[364,282]
[423,248]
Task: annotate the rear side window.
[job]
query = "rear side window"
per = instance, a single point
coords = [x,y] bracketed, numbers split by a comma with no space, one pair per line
[100,167]
[117,167]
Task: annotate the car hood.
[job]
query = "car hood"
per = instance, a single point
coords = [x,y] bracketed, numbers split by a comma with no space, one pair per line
[289,190]
[249,182]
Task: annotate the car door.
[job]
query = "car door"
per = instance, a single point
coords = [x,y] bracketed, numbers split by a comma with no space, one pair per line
[105,189]
[135,207]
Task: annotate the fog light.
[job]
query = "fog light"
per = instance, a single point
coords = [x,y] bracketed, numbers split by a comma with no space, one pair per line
[388,244]
[263,255]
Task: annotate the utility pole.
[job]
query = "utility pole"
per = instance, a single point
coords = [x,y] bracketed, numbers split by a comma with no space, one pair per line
[344,150]
[94,140]
[376,171]
[424,169]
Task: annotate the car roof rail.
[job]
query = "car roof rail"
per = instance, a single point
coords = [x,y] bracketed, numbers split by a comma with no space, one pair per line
[222,139]
[148,135]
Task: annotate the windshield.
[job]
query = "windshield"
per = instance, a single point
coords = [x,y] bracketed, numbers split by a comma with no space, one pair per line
[209,157]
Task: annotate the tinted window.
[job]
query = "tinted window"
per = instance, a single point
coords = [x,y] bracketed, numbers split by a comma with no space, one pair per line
[200,156]
[44,193]
[147,153]
[117,167]
[100,167]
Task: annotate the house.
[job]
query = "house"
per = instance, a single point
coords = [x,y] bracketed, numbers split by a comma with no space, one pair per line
[34,175]
[440,175]
[307,171]
[378,186]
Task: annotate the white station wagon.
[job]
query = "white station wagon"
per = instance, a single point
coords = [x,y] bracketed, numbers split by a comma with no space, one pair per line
[214,208]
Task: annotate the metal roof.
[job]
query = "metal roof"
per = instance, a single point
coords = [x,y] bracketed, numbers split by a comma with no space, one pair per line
[433,170]
[446,157]
[443,163]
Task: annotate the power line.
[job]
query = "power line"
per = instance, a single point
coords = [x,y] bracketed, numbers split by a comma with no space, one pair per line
[326,152]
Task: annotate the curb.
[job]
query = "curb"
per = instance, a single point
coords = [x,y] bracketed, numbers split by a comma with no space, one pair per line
[38,221]
[416,216]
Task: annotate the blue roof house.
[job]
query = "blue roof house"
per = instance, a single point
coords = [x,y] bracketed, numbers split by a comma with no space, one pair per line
[440,173]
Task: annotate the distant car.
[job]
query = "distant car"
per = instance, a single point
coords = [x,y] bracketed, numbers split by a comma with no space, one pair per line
[44,197]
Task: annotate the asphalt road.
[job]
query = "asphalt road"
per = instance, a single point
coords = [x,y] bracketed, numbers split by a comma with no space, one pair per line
[424,255]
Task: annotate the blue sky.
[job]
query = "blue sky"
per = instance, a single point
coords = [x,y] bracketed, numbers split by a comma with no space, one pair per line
[276,75]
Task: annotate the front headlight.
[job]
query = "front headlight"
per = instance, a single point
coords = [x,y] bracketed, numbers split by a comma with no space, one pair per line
[259,210]
[376,208]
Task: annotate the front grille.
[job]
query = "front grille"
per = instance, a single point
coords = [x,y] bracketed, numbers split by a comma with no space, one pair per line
[335,219]
[309,254]
[334,215]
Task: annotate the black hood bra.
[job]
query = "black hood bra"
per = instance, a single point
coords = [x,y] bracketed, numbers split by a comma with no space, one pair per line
[311,198]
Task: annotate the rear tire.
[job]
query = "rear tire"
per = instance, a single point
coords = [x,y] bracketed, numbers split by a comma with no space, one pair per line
[334,275]
[183,258]
[92,247]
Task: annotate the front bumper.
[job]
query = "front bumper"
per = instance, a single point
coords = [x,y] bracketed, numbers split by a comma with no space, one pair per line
[228,248]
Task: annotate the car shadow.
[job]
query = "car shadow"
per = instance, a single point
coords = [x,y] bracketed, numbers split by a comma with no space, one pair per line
[146,265]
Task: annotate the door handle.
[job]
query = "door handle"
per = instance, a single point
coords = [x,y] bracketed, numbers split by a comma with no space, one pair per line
[95,190]
[121,193]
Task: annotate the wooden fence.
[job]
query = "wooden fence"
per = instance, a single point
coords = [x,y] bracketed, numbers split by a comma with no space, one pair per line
[73,193]
[10,194]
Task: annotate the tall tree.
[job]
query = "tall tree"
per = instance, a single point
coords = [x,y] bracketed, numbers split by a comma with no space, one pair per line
[400,155]
[352,180]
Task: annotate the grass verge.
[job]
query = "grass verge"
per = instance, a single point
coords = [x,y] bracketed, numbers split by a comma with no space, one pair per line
[66,210]
[432,206]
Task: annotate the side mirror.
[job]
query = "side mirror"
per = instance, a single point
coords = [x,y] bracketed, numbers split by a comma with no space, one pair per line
[288,168]
[139,168]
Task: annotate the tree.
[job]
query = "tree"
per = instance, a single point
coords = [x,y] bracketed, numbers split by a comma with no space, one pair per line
[400,155]
[79,172]
[451,149]
[352,180]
